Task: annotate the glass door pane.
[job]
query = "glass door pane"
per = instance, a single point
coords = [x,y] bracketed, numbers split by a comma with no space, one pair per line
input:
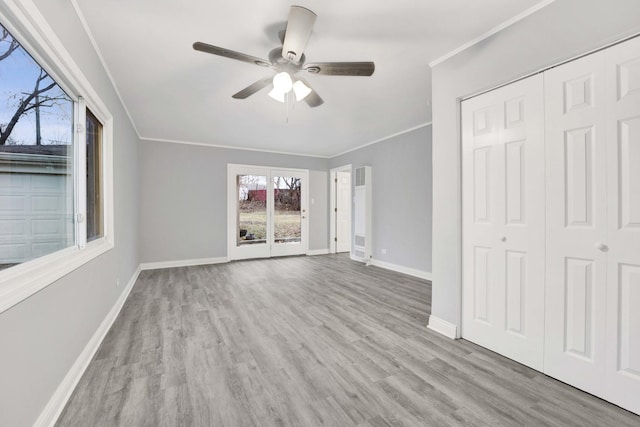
[252,210]
[289,219]
[287,212]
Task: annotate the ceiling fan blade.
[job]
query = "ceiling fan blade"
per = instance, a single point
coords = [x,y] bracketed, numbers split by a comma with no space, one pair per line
[341,68]
[313,99]
[253,88]
[227,53]
[297,34]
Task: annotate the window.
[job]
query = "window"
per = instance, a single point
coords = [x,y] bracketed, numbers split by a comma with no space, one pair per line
[94,177]
[55,160]
[36,159]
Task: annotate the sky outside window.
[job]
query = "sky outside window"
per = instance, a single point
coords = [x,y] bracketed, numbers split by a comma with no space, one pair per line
[19,74]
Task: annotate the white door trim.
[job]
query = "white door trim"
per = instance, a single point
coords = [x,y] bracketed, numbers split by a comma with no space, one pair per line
[332,205]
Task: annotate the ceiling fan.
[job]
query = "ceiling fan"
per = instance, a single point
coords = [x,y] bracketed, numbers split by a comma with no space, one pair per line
[289,60]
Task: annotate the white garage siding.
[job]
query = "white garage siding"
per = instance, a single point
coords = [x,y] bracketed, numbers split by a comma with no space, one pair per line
[36,206]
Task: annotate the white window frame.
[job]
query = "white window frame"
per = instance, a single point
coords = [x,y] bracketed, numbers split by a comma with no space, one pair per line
[27,25]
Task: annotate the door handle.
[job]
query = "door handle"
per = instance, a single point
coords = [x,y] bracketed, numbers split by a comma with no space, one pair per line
[601,247]
[503,238]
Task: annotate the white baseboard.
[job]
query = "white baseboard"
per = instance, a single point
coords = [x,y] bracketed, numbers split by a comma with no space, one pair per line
[183,263]
[443,327]
[313,252]
[401,269]
[56,404]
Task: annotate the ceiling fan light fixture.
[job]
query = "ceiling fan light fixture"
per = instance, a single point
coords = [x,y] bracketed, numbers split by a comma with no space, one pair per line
[277,95]
[282,82]
[301,90]
[289,60]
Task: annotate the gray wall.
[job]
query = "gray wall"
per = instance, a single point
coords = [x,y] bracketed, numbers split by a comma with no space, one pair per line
[557,32]
[41,337]
[319,210]
[183,204]
[401,168]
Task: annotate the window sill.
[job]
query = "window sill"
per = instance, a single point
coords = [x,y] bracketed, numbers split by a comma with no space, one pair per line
[20,282]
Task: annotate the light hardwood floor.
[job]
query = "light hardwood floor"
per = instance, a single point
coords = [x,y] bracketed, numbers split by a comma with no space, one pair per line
[306,341]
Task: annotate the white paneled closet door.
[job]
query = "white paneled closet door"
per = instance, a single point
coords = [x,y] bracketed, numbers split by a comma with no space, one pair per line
[503,220]
[551,222]
[592,310]
[623,225]
[575,313]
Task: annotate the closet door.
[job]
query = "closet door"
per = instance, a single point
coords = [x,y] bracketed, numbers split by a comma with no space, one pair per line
[503,221]
[576,222]
[623,231]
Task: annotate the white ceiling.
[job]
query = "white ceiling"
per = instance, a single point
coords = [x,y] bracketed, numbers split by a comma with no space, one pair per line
[175,93]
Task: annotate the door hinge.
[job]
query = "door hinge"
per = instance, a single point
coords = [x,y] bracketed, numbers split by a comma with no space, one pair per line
[335,180]
[335,209]
[335,239]
[79,127]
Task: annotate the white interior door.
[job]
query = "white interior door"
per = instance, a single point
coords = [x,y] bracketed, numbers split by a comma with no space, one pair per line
[576,222]
[623,225]
[343,211]
[267,212]
[503,221]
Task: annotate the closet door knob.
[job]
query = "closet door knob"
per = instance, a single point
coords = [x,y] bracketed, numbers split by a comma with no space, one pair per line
[601,247]
[503,238]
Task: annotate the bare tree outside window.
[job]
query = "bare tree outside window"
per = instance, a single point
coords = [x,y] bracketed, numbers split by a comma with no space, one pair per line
[34,110]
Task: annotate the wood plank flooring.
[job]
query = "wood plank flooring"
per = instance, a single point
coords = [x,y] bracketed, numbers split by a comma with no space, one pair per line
[306,341]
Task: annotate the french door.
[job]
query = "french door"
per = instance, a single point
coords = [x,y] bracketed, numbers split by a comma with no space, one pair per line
[267,212]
